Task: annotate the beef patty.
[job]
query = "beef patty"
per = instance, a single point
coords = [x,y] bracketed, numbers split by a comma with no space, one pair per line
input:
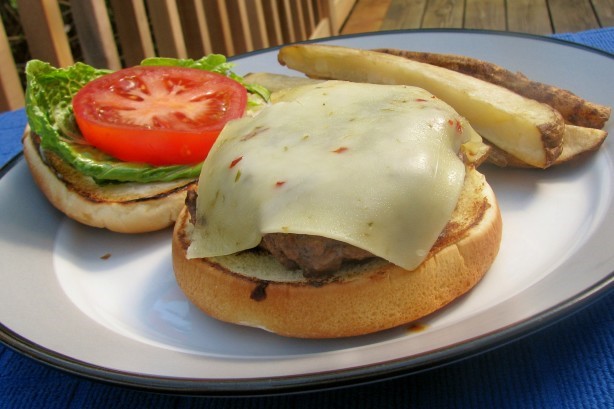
[314,255]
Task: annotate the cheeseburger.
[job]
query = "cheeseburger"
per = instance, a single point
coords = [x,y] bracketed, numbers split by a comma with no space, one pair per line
[340,209]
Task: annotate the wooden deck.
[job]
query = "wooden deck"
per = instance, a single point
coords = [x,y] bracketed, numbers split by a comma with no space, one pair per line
[527,16]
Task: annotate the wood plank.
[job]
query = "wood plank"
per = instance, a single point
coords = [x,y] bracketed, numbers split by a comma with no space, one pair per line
[195,28]
[245,14]
[133,31]
[44,29]
[11,91]
[339,11]
[485,14]
[299,16]
[287,23]
[290,20]
[323,23]
[95,34]
[528,16]
[572,15]
[322,29]
[226,29]
[404,14]
[253,18]
[164,18]
[241,38]
[605,12]
[220,43]
[444,14]
[310,16]
[367,16]
[273,22]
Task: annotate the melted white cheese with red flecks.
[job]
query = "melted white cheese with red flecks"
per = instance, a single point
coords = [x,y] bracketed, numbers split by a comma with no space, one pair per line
[375,166]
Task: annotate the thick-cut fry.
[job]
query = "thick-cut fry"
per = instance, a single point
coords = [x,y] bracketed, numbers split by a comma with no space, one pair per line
[577,141]
[575,110]
[527,129]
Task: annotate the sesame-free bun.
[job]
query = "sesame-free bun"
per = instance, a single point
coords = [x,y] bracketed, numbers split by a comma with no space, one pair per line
[121,207]
[250,288]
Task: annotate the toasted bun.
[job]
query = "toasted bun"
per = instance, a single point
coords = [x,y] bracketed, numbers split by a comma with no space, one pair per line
[124,208]
[250,289]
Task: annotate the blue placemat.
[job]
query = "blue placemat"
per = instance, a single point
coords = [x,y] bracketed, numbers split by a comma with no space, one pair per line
[569,365]
[602,38]
[12,125]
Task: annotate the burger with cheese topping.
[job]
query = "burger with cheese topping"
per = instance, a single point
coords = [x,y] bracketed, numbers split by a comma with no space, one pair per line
[340,209]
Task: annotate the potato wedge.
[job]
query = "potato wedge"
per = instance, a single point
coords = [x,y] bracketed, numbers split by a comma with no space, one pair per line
[577,141]
[527,129]
[574,109]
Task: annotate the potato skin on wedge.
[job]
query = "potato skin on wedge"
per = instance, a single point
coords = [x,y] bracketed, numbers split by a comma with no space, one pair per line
[527,129]
[574,109]
[578,141]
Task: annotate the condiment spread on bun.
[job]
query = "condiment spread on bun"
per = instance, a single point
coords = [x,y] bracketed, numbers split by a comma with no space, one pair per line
[382,174]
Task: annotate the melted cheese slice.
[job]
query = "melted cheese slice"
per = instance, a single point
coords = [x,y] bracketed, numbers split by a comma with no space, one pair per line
[375,166]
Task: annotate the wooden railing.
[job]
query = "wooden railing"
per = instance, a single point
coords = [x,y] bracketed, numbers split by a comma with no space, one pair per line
[128,31]
[541,17]
[11,92]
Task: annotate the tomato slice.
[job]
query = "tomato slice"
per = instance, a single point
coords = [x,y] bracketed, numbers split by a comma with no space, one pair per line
[157,115]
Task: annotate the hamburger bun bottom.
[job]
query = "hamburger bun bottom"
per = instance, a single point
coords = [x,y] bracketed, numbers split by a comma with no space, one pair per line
[250,288]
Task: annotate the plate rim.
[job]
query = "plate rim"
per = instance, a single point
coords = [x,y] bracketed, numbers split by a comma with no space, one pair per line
[336,378]
[462,31]
[316,381]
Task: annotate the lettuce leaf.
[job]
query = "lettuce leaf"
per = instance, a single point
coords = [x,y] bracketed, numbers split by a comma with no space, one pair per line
[215,63]
[49,94]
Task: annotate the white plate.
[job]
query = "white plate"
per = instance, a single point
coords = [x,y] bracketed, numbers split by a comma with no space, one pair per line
[106,305]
